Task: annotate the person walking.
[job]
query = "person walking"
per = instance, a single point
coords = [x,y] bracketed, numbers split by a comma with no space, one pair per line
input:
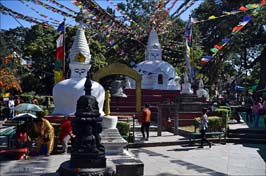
[263,111]
[248,107]
[65,133]
[11,105]
[204,127]
[257,110]
[145,121]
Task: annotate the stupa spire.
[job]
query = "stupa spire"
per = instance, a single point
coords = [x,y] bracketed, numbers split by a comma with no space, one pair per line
[154,50]
[80,51]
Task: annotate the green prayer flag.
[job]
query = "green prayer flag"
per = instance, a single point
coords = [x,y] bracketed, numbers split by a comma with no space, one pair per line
[214,50]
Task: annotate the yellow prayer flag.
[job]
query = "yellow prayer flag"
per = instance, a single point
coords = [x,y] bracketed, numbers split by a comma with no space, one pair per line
[57,76]
[212,17]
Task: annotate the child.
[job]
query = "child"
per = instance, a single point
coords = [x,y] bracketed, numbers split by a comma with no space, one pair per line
[204,127]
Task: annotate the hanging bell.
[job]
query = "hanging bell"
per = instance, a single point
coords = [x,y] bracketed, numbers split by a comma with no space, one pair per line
[117,89]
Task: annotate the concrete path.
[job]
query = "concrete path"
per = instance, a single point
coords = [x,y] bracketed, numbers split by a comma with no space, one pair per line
[229,159]
[219,160]
[183,160]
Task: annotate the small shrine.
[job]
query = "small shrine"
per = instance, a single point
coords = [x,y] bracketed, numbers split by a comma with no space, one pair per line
[201,92]
[156,73]
[186,86]
[67,92]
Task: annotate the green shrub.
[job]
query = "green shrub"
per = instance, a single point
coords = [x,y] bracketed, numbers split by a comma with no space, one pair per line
[215,123]
[123,128]
[225,107]
[225,114]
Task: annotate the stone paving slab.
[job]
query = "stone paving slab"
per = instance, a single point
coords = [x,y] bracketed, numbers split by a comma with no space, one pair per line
[229,159]
[184,160]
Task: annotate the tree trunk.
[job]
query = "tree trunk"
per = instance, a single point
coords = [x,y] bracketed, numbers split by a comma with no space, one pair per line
[262,61]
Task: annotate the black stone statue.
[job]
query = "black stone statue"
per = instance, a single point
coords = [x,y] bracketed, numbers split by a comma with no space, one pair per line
[87,150]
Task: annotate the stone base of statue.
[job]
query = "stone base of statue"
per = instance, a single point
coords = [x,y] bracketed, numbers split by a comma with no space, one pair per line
[109,122]
[87,160]
[113,142]
[65,169]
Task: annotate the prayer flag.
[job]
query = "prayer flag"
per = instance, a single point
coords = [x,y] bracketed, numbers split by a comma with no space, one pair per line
[60,54]
[214,50]
[218,46]
[237,28]
[212,17]
[225,40]
[188,42]
[242,8]
[208,57]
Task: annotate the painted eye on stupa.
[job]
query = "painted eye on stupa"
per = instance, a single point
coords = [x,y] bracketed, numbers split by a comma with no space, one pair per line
[155,46]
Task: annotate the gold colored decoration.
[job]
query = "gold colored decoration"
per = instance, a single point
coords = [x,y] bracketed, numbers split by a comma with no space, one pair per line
[107,110]
[80,58]
[123,70]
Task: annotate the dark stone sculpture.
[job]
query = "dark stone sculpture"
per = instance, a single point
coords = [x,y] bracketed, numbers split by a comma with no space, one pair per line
[87,151]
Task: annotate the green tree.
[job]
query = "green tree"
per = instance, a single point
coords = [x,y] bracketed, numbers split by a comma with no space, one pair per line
[246,48]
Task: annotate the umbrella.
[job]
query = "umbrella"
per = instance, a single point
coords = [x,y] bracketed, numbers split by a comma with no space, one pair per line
[24,116]
[27,107]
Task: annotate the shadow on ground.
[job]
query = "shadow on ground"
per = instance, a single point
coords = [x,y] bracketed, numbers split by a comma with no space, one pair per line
[198,168]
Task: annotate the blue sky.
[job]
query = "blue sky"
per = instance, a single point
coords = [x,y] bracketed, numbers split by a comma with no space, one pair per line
[7,22]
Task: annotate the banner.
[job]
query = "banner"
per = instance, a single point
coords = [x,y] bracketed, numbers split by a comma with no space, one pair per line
[60,54]
[188,42]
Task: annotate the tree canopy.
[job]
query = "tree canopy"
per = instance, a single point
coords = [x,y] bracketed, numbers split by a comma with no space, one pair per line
[242,60]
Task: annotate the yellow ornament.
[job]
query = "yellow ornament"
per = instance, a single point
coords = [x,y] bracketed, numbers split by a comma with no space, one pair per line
[80,58]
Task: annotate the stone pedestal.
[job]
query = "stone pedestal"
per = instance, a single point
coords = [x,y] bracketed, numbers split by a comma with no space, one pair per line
[113,142]
[109,122]
[186,89]
[65,169]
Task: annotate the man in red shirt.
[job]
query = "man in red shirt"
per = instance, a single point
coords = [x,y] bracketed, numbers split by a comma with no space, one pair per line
[66,133]
[145,121]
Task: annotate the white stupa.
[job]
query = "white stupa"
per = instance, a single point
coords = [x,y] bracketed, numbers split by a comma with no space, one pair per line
[67,92]
[156,73]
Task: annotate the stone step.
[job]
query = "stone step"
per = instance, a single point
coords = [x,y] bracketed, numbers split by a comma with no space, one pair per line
[246,141]
[249,130]
[153,92]
[247,135]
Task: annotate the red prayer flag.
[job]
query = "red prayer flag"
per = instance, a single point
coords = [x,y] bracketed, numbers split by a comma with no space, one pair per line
[218,46]
[237,28]
[242,8]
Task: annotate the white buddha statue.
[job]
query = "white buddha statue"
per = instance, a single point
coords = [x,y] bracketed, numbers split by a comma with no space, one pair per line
[201,92]
[67,92]
[186,86]
[178,86]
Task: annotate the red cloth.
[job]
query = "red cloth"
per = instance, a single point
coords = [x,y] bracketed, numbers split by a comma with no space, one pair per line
[22,137]
[66,128]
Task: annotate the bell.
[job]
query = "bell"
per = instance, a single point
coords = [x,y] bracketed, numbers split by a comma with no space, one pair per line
[117,89]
